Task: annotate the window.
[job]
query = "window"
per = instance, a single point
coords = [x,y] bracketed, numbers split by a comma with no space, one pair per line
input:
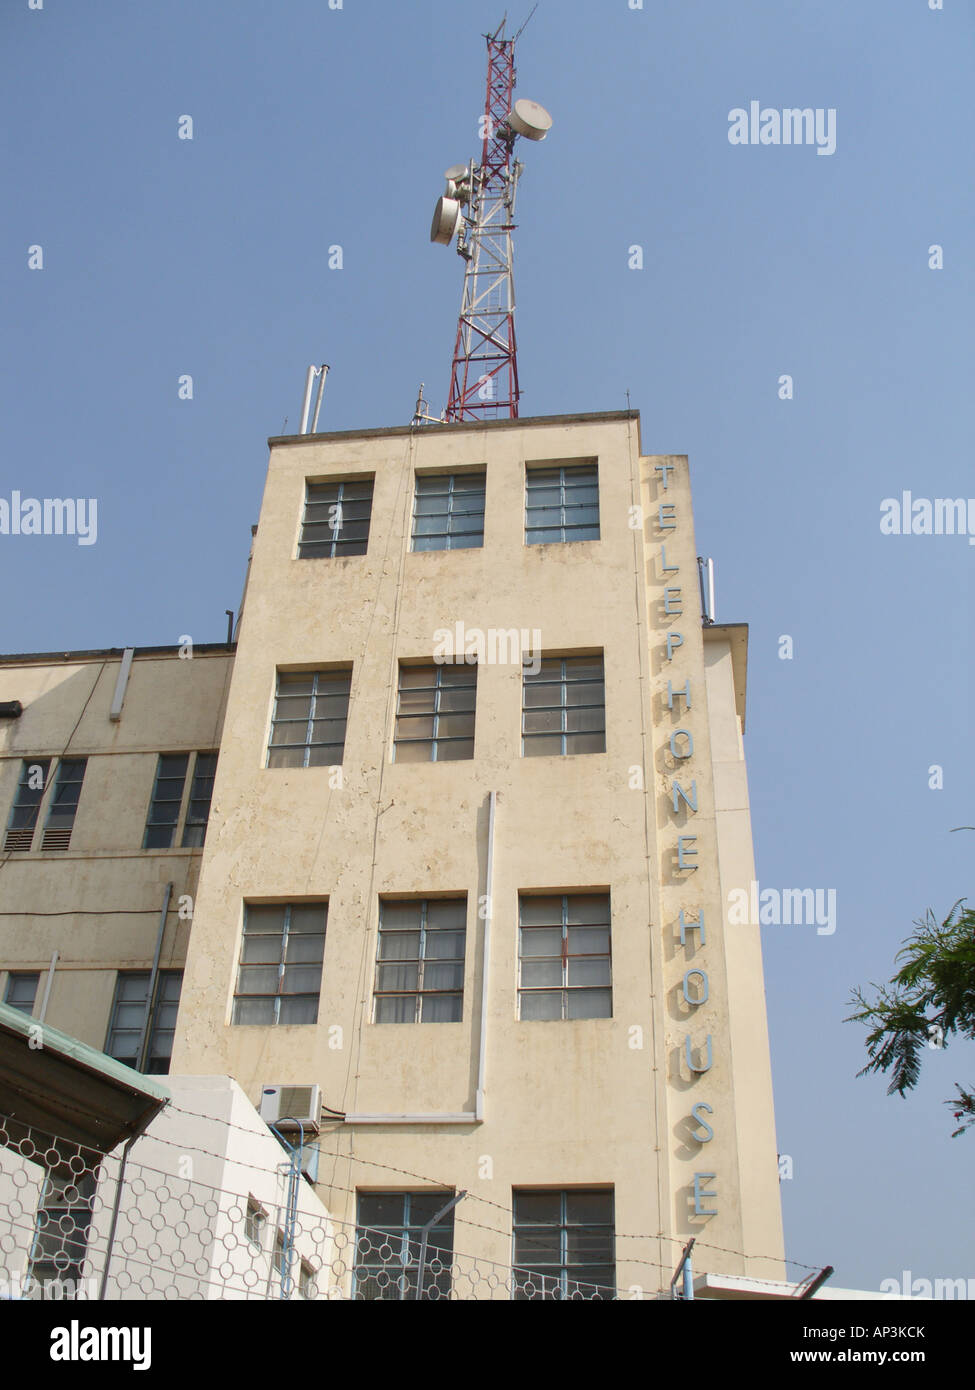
[281,954]
[435,713]
[27,801]
[254,1221]
[336,520]
[34,777]
[310,713]
[448,511]
[166,804]
[420,963]
[128,1023]
[282,1261]
[201,793]
[60,1242]
[167,798]
[307,1286]
[563,956]
[564,709]
[564,1245]
[561,504]
[64,803]
[389,1240]
[21,990]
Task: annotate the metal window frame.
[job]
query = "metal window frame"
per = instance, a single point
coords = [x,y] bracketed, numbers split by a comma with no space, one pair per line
[25,766]
[306,1277]
[153,1030]
[189,820]
[437,689]
[408,1231]
[79,1236]
[63,826]
[15,975]
[309,743]
[591,469]
[61,781]
[450,511]
[282,962]
[335,541]
[177,823]
[255,1219]
[156,1027]
[565,1268]
[419,994]
[565,989]
[563,682]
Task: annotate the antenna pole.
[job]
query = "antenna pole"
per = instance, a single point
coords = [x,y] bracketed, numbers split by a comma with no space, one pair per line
[322,374]
[313,372]
[484,372]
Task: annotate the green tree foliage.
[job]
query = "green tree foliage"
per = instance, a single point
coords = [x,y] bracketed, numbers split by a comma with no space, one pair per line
[928,1001]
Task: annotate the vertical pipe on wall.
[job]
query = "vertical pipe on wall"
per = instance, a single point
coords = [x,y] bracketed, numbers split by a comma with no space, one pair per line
[153,977]
[55,957]
[119,1188]
[486,959]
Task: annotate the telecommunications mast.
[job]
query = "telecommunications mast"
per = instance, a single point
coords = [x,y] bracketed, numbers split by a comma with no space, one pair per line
[478,206]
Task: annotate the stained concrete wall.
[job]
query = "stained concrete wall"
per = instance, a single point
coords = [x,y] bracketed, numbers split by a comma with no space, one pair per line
[98,903]
[600,1102]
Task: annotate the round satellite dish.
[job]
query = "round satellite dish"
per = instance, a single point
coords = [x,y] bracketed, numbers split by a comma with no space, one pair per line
[529,119]
[456,172]
[445,218]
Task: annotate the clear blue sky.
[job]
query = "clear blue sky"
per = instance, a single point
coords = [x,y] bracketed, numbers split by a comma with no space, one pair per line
[315,127]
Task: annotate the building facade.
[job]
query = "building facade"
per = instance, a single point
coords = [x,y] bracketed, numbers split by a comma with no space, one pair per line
[105,778]
[479,804]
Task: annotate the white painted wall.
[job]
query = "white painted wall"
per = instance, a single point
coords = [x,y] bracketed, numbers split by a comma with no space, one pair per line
[180,1231]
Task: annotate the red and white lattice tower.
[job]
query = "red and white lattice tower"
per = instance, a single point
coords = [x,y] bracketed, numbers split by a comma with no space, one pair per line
[479,205]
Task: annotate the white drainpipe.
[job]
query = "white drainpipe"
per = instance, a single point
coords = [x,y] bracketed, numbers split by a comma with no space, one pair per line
[475,1116]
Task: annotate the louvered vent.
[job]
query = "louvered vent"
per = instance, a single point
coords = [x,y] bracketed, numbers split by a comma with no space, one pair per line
[56,839]
[19,839]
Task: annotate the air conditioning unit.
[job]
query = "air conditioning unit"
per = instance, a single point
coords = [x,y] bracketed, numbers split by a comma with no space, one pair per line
[284,1106]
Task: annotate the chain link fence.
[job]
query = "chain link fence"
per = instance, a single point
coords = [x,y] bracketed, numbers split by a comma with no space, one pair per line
[77,1224]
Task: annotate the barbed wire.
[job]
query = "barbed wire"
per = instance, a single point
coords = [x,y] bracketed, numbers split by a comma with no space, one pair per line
[424,1178]
[63,1230]
[449,1187]
[195,1150]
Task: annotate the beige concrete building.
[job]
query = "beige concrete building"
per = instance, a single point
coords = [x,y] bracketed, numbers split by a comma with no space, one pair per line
[480,904]
[82,797]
